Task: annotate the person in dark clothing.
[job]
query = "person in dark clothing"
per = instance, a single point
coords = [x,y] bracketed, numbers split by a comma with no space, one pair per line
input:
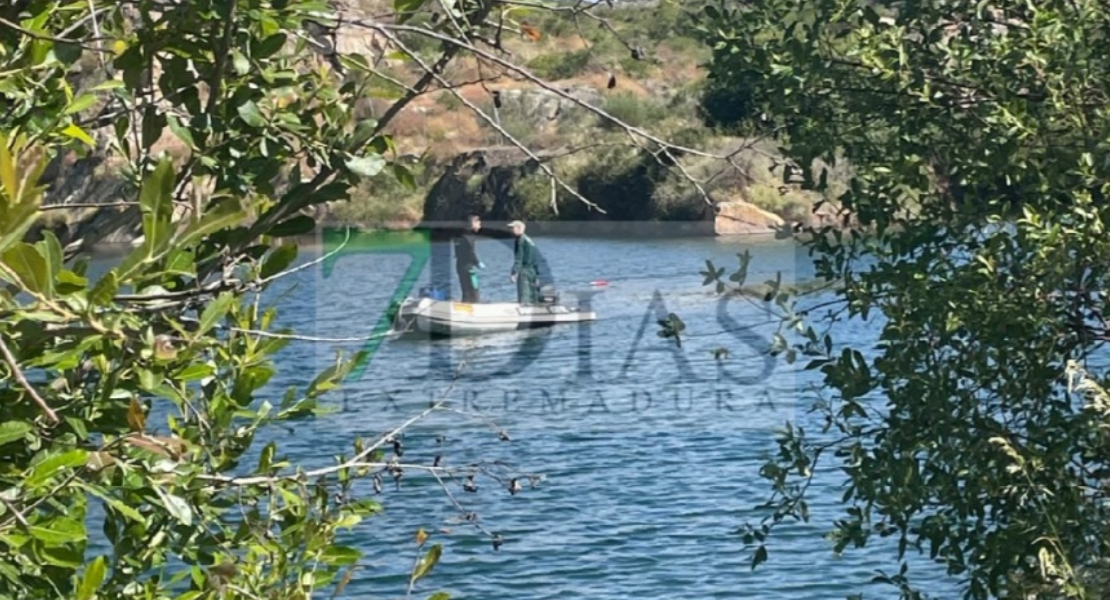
[525,268]
[467,262]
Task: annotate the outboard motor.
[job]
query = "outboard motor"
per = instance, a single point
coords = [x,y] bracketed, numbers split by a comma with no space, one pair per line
[548,295]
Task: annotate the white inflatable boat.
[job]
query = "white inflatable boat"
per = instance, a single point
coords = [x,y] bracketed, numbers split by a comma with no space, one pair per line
[438,317]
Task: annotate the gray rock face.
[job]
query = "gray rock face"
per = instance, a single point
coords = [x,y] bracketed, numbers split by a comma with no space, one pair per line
[540,106]
[88,180]
[739,218]
[480,181]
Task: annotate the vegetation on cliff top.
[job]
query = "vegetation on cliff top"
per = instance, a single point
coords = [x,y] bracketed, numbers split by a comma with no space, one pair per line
[640,62]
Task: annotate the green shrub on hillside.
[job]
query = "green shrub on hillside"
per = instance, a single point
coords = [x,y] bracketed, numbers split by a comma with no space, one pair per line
[655,21]
[621,180]
[560,65]
[789,203]
[534,190]
[377,202]
[635,67]
[633,110]
[513,119]
[676,199]
[449,101]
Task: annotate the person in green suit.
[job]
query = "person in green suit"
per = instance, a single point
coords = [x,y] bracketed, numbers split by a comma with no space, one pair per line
[525,269]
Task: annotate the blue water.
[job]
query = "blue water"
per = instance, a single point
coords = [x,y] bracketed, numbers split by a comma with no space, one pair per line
[649,453]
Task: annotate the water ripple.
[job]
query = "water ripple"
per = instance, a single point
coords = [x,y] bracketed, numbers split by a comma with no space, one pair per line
[651,452]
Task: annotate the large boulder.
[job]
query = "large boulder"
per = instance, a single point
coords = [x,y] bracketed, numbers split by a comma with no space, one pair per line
[738,218]
[85,182]
[540,106]
[479,182]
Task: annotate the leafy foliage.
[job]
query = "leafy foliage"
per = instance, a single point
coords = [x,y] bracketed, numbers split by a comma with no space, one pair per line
[560,65]
[975,132]
[135,395]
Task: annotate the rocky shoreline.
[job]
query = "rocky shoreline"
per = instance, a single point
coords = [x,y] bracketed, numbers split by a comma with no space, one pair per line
[483,181]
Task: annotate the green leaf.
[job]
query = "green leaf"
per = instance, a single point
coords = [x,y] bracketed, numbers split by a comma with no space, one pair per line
[406,8]
[58,531]
[183,133]
[68,53]
[341,555]
[215,311]
[126,510]
[30,267]
[195,372]
[227,213]
[176,505]
[329,378]
[366,166]
[111,84]
[80,103]
[92,578]
[240,62]
[440,596]
[156,203]
[7,171]
[355,62]
[404,175]
[77,133]
[279,259]
[269,46]
[53,464]
[266,457]
[299,225]
[69,282]
[759,557]
[7,570]
[61,556]
[157,193]
[105,290]
[154,121]
[427,561]
[11,431]
[249,113]
[51,250]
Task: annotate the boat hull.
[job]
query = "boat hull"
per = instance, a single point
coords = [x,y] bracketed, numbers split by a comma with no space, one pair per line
[448,318]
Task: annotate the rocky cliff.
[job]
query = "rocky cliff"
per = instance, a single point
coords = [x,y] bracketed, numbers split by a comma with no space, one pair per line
[471,165]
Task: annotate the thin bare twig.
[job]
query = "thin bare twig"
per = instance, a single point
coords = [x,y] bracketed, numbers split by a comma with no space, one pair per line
[527,75]
[354,461]
[312,263]
[214,287]
[18,516]
[666,148]
[458,505]
[308,338]
[50,38]
[515,142]
[74,205]
[450,49]
[17,373]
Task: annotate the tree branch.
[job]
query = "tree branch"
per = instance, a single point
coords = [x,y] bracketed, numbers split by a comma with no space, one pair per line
[450,49]
[17,373]
[543,166]
[353,462]
[527,75]
[221,59]
[49,38]
[122,204]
